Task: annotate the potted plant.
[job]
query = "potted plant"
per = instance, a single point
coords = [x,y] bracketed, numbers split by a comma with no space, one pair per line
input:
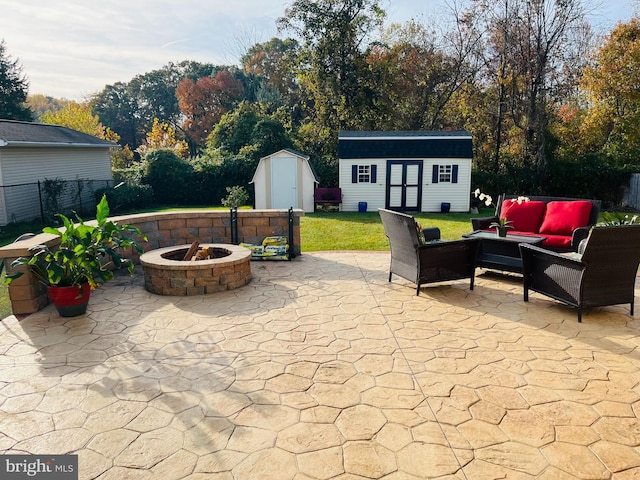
[86,257]
[501,224]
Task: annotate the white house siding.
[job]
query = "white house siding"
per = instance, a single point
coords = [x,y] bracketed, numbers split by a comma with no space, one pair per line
[28,165]
[3,210]
[457,194]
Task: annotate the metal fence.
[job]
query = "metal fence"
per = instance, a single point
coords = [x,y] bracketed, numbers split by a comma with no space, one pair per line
[40,201]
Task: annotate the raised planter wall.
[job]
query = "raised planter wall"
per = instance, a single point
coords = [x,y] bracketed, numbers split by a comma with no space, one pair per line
[163,229]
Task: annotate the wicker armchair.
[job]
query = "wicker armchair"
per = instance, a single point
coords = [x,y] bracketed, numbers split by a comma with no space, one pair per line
[426,263]
[605,274]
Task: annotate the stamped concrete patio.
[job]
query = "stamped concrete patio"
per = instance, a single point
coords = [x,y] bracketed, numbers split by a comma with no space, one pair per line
[321,369]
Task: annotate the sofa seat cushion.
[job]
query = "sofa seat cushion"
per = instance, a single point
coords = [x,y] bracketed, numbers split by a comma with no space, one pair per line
[525,216]
[562,242]
[562,218]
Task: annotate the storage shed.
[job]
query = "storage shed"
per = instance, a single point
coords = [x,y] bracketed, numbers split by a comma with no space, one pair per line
[284,179]
[410,171]
[32,152]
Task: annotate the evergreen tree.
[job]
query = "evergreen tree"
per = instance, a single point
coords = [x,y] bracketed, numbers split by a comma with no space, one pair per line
[13,89]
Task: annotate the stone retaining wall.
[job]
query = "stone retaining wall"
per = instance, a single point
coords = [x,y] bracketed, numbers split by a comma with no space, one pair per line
[163,229]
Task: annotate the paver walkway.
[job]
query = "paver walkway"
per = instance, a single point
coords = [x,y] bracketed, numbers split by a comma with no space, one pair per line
[321,369]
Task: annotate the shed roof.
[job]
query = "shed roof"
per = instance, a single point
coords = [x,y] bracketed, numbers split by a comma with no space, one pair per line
[405,144]
[291,151]
[26,134]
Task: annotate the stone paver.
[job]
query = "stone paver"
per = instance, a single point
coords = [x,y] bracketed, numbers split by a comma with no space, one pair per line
[322,369]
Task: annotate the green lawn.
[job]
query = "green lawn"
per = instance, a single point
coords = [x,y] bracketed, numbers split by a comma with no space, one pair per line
[363,231]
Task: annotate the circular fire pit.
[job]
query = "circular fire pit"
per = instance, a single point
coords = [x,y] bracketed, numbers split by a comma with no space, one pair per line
[166,273]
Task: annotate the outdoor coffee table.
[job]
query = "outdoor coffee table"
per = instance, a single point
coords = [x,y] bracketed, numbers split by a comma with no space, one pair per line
[501,253]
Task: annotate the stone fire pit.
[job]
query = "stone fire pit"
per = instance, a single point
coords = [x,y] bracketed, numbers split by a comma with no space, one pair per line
[166,273]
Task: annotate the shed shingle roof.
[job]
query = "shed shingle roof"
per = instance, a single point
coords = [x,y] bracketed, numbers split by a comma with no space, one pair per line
[403,134]
[405,144]
[14,133]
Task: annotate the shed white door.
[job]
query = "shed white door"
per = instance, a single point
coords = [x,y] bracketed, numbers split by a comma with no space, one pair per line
[284,180]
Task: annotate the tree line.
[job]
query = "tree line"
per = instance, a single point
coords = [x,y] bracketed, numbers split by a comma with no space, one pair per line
[552,105]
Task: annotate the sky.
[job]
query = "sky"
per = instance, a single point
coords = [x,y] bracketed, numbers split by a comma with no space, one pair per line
[74,48]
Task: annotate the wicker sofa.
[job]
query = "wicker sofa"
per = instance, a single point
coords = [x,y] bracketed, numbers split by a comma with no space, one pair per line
[564,222]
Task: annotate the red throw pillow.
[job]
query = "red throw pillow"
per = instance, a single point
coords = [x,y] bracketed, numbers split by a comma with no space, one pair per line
[562,218]
[524,216]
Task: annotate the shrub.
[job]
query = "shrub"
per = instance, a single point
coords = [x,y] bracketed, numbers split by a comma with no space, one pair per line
[170,177]
[127,197]
[212,176]
[588,176]
[132,175]
[237,197]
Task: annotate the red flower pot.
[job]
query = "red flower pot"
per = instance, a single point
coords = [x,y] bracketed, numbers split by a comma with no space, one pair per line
[70,301]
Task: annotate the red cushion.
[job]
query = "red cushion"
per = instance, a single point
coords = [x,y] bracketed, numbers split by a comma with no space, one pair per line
[524,216]
[557,241]
[562,218]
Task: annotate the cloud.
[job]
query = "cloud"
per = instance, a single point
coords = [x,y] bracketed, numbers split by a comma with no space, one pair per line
[71,48]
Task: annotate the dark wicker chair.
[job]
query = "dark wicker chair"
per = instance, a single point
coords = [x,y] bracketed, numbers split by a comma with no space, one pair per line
[432,262]
[604,275]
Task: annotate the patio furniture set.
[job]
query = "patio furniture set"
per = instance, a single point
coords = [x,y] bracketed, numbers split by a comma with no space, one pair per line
[555,245]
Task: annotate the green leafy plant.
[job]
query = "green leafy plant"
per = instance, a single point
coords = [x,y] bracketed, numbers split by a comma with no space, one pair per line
[237,197]
[610,219]
[53,189]
[87,253]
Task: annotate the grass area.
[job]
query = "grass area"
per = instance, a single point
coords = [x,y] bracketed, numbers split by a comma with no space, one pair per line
[363,231]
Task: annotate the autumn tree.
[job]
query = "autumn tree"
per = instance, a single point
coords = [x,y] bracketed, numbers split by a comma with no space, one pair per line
[613,119]
[41,104]
[13,89]
[80,117]
[203,102]
[273,64]
[77,116]
[117,109]
[129,108]
[527,57]
[163,137]
[415,79]
[273,61]
[333,72]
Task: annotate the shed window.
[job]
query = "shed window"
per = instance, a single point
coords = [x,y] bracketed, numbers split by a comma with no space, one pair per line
[363,174]
[444,174]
